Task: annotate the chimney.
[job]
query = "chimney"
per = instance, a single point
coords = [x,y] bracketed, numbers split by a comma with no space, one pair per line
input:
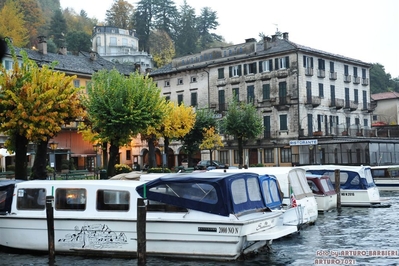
[266,42]
[274,37]
[285,36]
[250,40]
[42,45]
[62,50]
[93,55]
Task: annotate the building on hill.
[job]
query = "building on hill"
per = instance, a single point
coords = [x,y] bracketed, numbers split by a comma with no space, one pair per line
[120,45]
[315,105]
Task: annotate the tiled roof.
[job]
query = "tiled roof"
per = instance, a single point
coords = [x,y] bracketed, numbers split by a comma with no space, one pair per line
[385,95]
[80,64]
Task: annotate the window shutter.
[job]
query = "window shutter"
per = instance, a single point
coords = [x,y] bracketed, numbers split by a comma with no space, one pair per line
[287,62]
[270,65]
[311,62]
[304,61]
[230,72]
[239,70]
[245,69]
[276,65]
[260,67]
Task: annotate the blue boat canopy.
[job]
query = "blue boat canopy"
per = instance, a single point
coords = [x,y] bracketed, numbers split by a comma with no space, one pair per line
[271,191]
[212,192]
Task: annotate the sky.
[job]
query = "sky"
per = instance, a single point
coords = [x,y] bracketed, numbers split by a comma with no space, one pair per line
[366,30]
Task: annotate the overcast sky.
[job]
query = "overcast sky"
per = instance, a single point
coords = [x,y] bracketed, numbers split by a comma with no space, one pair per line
[366,30]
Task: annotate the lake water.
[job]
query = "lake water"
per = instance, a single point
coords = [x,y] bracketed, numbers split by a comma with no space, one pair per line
[354,236]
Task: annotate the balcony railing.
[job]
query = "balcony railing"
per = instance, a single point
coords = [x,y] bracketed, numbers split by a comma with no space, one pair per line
[321,73]
[365,81]
[347,78]
[333,75]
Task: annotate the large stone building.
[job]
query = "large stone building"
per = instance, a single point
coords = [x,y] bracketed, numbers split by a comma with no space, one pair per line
[315,105]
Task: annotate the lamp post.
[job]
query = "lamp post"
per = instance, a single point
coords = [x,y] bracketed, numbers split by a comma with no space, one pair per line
[97,161]
[53,147]
[320,154]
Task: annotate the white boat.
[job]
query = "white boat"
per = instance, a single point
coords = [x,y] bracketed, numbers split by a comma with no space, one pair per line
[324,192]
[203,216]
[356,183]
[386,177]
[296,192]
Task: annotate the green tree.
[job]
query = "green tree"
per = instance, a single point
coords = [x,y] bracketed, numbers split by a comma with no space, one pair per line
[187,36]
[143,22]
[165,16]
[12,24]
[205,118]
[243,122]
[58,29]
[119,108]
[120,14]
[161,47]
[78,41]
[33,17]
[79,22]
[207,21]
[35,103]
[212,141]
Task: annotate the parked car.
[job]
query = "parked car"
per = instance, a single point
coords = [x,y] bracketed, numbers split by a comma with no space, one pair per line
[204,165]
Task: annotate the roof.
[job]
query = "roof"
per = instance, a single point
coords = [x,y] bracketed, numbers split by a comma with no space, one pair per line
[385,95]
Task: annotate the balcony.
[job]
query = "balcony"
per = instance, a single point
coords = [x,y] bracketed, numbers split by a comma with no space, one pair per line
[266,76]
[356,80]
[365,81]
[321,73]
[336,103]
[313,101]
[347,78]
[309,71]
[283,73]
[368,107]
[333,75]
[351,106]
[282,103]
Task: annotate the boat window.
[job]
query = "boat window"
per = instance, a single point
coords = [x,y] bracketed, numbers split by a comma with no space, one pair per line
[113,200]
[393,173]
[313,186]
[343,177]
[326,185]
[31,199]
[271,192]
[356,180]
[239,194]
[70,199]
[253,189]
[368,176]
[378,172]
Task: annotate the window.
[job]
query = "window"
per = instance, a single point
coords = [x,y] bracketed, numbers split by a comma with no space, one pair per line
[167,98]
[193,79]
[235,71]
[365,100]
[269,155]
[179,99]
[266,66]
[113,200]
[236,157]
[76,83]
[364,73]
[250,94]
[128,155]
[356,95]
[112,40]
[179,81]
[283,122]
[221,73]
[221,100]
[322,64]
[321,90]
[124,42]
[194,99]
[266,127]
[236,93]
[355,72]
[285,155]
[332,67]
[167,83]
[282,63]
[31,199]
[365,122]
[70,199]
[266,91]
[346,70]
[346,97]
[250,68]
[307,61]
[282,92]
[8,64]
[332,93]
[98,41]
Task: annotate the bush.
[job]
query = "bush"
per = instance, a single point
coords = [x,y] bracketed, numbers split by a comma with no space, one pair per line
[159,170]
[122,168]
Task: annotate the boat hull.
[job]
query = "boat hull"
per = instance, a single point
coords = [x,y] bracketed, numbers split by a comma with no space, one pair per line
[360,198]
[387,184]
[326,202]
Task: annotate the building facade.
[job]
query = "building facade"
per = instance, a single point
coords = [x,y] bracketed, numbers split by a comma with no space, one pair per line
[315,106]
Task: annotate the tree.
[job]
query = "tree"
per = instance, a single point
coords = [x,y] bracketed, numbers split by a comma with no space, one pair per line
[33,17]
[187,36]
[58,29]
[205,118]
[12,24]
[161,47]
[35,103]
[119,108]
[143,22]
[79,22]
[165,16]
[178,121]
[381,81]
[242,122]
[207,21]
[78,41]
[212,141]
[119,15]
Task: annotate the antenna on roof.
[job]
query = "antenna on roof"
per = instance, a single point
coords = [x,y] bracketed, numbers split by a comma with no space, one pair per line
[278,33]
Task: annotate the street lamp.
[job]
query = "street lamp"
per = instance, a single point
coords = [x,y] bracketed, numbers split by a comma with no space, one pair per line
[97,161]
[53,147]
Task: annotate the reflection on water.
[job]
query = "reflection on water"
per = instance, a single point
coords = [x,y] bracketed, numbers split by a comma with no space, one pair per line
[352,230]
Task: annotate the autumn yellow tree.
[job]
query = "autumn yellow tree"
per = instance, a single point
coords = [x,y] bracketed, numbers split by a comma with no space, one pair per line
[34,103]
[161,47]
[12,24]
[178,121]
[212,141]
[120,14]
[34,19]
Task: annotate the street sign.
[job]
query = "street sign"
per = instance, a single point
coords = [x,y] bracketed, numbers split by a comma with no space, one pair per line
[303,142]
